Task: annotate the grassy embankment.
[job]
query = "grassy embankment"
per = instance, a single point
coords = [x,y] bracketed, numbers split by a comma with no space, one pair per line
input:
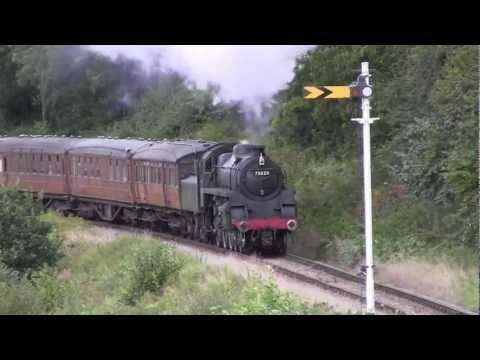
[134,276]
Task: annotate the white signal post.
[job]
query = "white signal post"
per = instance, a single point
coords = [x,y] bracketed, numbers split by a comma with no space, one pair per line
[361,89]
[366,120]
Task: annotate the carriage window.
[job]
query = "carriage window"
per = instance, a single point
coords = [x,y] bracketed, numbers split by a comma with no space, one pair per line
[84,167]
[160,174]
[80,166]
[125,171]
[186,169]
[116,174]
[97,168]
[25,163]
[57,166]
[171,180]
[1,165]
[147,172]
[208,165]
[154,174]
[77,165]
[73,168]
[19,159]
[91,168]
[34,164]
[139,172]
[29,163]
[39,162]
[46,165]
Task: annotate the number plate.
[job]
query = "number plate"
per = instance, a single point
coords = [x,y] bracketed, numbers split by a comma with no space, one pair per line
[262,173]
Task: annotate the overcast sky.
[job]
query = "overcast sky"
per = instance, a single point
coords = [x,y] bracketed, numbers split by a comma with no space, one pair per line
[250,73]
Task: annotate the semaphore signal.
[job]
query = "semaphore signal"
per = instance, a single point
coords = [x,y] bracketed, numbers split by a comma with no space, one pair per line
[361,89]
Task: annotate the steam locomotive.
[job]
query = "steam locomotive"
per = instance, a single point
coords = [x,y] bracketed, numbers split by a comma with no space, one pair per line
[231,195]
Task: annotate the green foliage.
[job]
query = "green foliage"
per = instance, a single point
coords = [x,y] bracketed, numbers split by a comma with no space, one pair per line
[148,269]
[327,190]
[263,297]
[18,295]
[62,224]
[51,290]
[172,109]
[74,89]
[426,140]
[469,289]
[26,243]
[220,131]
[16,106]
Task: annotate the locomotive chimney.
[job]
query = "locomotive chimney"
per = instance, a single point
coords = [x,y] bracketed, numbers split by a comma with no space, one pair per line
[248,150]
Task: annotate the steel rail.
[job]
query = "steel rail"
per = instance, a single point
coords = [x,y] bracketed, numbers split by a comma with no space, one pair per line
[395,291]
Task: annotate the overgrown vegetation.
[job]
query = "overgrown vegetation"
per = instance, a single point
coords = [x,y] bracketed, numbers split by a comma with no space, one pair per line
[27,243]
[136,275]
[425,173]
[148,269]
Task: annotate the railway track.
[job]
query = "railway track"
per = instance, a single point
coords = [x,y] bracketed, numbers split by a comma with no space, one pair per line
[440,306]
[389,299]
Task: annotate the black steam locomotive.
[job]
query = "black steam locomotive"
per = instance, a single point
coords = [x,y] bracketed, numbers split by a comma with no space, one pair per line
[231,195]
[253,203]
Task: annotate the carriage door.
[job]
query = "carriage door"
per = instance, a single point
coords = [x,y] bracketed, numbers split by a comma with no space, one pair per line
[140,180]
[169,184]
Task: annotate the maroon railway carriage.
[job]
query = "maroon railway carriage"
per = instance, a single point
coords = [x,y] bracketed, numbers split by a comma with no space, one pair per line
[37,164]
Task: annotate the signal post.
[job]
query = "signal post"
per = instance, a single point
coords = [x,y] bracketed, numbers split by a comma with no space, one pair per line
[360,89]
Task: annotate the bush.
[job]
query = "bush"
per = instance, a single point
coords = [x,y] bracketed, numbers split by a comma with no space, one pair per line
[262,297]
[26,243]
[18,295]
[51,291]
[148,270]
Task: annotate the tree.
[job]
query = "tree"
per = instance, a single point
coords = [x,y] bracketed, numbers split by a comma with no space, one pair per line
[16,106]
[25,240]
[37,68]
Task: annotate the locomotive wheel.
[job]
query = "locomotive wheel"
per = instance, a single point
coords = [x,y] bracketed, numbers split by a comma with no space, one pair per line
[229,241]
[189,229]
[223,244]
[238,242]
[234,241]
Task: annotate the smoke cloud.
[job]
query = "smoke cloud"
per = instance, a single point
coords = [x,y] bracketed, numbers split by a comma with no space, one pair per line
[248,73]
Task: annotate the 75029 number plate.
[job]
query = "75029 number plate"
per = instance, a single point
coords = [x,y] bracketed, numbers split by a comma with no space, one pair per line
[262,172]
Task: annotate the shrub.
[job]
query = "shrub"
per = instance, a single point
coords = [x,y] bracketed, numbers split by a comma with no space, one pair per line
[18,295]
[25,241]
[148,270]
[51,291]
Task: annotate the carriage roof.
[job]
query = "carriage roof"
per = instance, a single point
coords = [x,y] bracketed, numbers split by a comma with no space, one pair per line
[46,144]
[149,150]
[172,151]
